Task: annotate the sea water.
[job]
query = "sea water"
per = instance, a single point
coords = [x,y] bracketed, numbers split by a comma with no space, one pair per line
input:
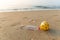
[28,5]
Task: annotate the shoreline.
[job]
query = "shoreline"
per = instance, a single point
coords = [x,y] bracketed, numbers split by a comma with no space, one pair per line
[30,10]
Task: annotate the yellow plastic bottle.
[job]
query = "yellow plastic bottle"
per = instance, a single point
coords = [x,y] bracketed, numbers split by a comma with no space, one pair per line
[44,26]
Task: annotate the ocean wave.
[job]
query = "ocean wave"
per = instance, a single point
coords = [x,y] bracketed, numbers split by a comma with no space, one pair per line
[31,8]
[47,7]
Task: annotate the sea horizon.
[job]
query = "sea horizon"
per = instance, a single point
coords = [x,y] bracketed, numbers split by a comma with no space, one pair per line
[33,8]
[28,5]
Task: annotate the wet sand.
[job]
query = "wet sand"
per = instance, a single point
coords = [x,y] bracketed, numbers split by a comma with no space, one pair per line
[10,23]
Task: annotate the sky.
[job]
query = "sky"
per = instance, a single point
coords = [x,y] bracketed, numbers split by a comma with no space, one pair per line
[26,3]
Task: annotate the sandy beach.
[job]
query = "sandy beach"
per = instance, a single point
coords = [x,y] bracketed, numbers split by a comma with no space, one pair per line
[10,23]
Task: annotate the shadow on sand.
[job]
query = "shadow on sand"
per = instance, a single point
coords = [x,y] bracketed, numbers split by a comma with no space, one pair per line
[54,32]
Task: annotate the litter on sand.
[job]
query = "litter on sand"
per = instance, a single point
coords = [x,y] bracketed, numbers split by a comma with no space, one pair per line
[43,26]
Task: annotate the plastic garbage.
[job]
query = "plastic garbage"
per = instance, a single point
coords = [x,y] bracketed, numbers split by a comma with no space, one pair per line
[43,26]
[30,27]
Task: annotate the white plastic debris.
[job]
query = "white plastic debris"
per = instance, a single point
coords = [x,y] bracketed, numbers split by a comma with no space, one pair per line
[30,27]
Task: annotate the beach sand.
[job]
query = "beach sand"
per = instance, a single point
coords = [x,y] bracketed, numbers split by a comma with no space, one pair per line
[11,23]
